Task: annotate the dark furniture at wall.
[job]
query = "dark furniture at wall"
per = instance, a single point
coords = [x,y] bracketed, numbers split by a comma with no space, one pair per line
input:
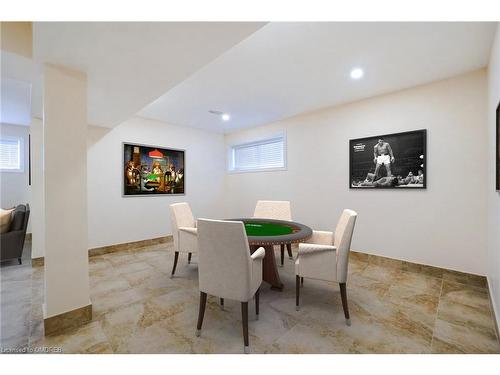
[12,242]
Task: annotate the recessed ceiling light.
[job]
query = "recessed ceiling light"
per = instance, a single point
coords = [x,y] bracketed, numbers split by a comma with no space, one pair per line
[357,73]
[224,116]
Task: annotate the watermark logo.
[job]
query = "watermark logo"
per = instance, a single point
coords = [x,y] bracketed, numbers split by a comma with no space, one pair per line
[31,350]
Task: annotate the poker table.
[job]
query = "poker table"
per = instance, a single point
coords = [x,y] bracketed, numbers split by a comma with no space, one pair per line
[267,233]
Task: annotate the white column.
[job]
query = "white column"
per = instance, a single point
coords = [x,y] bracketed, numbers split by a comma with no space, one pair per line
[37,214]
[65,184]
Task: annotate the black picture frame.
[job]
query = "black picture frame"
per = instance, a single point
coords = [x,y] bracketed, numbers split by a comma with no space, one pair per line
[143,181]
[497,151]
[410,153]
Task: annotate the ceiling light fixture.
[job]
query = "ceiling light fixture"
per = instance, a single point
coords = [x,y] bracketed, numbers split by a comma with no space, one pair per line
[224,116]
[357,73]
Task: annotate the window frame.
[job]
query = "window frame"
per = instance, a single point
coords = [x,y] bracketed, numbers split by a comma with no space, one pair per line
[257,141]
[21,154]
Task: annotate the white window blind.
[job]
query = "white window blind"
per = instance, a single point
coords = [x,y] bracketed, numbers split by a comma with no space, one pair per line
[10,154]
[262,155]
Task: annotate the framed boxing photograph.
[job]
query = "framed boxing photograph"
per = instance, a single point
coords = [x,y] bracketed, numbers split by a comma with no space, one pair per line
[389,161]
[497,157]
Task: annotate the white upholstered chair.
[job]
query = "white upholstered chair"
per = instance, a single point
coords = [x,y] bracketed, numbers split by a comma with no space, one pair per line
[326,257]
[226,269]
[278,210]
[184,231]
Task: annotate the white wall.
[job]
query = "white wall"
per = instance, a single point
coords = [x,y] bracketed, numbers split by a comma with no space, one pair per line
[37,215]
[493,196]
[443,226]
[14,185]
[65,190]
[115,219]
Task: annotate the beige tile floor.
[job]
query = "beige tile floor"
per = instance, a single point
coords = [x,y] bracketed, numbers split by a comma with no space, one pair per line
[139,309]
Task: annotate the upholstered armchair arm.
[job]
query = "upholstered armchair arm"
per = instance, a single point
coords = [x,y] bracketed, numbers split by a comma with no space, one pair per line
[189,230]
[258,254]
[310,248]
[256,269]
[321,237]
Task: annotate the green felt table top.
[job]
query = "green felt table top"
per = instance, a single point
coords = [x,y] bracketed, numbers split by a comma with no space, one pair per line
[267,229]
[153,176]
[274,232]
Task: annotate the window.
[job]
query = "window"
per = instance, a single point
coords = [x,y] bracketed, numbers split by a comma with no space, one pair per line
[267,154]
[11,154]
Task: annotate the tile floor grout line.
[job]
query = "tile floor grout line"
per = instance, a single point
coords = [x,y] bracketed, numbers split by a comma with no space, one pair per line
[436,315]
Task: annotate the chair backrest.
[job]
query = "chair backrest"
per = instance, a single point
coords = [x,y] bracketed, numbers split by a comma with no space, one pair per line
[278,210]
[180,216]
[20,218]
[26,218]
[25,223]
[342,241]
[224,263]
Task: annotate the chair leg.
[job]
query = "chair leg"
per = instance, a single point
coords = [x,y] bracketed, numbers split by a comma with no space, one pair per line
[244,318]
[257,304]
[176,258]
[201,312]
[189,257]
[297,292]
[343,295]
[222,303]
[302,281]
[282,254]
[19,260]
[289,249]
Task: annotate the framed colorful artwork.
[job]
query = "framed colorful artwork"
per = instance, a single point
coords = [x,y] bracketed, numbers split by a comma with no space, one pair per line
[153,170]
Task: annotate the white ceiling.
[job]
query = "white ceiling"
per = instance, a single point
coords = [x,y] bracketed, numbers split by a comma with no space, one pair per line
[259,73]
[16,102]
[130,64]
[285,69]
[20,89]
